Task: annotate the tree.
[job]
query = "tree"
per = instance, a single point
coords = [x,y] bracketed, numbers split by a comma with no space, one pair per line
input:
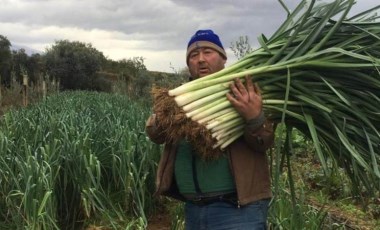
[35,68]
[74,64]
[132,66]
[241,47]
[19,64]
[5,60]
[136,75]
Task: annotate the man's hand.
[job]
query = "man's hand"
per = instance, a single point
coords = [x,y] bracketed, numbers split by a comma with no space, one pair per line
[246,99]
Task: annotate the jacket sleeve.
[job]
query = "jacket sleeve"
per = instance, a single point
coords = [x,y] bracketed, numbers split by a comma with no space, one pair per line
[154,132]
[259,134]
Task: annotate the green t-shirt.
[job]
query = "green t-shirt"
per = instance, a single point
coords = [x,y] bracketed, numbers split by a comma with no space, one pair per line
[213,176]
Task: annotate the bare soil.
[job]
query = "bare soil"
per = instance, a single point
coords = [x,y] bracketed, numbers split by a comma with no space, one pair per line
[160,221]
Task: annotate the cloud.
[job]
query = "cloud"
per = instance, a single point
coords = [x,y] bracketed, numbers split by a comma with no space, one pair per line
[156,30]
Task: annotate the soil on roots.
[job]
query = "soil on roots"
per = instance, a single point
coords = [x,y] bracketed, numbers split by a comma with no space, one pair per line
[175,125]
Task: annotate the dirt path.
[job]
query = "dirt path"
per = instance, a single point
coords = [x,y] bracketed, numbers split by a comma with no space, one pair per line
[160,221]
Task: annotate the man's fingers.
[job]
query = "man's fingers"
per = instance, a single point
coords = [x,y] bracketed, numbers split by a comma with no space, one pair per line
[252,86]
[232,98]
[248,82]
[257,89]
[234,90]
[240,91]
[240,86]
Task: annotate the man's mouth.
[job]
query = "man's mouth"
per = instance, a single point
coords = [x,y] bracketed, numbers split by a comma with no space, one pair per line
[203,70]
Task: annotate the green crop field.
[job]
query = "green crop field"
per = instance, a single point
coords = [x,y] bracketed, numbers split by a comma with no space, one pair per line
[75,158]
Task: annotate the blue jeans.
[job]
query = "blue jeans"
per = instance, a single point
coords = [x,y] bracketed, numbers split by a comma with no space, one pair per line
[222,215]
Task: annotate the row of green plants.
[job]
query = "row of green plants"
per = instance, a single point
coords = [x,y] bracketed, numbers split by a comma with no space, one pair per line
[74,159]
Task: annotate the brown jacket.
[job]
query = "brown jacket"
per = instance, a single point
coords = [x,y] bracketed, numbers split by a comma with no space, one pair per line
[248,162]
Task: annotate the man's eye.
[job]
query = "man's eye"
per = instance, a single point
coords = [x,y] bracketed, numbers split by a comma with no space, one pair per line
[193,55]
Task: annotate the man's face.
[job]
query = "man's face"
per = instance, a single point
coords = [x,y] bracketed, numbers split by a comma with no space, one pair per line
[205,61]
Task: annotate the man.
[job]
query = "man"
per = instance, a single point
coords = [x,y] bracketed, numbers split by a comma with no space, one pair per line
[233,191]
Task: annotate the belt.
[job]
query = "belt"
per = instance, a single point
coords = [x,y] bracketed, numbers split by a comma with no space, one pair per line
[202,200]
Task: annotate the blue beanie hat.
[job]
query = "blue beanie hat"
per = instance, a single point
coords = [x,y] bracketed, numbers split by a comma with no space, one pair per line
[205,38]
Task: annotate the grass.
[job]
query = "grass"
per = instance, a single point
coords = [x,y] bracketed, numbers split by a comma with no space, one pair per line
[332,193]
[75,158]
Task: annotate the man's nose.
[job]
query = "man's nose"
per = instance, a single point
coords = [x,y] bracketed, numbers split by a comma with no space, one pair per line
[201,57]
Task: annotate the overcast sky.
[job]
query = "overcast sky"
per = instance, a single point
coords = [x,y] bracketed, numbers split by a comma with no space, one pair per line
[157,30]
